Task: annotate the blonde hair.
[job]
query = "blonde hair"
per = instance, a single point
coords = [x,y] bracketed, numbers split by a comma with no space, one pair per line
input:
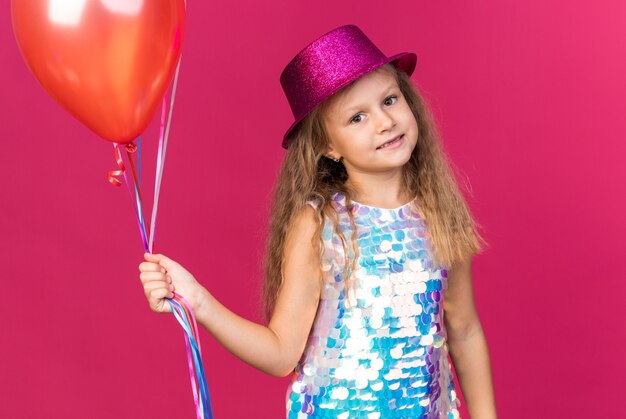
[306,174]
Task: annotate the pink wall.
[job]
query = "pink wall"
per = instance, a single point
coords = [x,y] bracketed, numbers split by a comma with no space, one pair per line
[530,98]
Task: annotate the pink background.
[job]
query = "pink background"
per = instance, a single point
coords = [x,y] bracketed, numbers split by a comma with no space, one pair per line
[530,97]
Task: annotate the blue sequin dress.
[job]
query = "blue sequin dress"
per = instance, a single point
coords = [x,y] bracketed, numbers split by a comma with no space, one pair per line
[377,348]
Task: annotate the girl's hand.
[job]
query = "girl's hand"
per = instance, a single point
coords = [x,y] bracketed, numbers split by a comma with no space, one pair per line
[161,277]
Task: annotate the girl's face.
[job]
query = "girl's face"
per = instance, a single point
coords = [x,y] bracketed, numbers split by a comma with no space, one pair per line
[371,125]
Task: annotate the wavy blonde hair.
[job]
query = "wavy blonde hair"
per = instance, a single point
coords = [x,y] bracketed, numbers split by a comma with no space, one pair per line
[306,174]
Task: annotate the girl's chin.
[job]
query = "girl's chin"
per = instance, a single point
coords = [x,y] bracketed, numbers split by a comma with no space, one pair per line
[400,157]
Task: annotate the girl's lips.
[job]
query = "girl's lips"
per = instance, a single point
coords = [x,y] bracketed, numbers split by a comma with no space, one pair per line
[392,143]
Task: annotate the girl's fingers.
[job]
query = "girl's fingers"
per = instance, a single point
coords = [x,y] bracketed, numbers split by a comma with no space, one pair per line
[160,294]
[162,260]
[152,276]
[156,278]
[157,298]
[150,267]
[150,286]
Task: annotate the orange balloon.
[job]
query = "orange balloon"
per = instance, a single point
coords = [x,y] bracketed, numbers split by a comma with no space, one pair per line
[107,62]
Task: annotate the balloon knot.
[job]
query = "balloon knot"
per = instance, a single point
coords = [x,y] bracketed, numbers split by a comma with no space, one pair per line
[131,147]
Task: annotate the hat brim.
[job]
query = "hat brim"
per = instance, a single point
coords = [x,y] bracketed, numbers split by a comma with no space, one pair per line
[404,61]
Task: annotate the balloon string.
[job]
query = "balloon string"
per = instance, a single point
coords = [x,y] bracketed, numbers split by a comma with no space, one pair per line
[183,313]
[190,363]
[158,175]
[163,136]
[111,177]
[131,149]
[139,161]
[190,315]
[202,404]
[180,307]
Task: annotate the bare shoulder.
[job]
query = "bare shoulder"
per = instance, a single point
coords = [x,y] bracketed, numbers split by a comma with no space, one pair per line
[301,257]
[304,222]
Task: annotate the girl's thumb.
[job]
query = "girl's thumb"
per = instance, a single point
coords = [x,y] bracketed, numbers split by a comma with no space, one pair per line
[151,257]
[162,260]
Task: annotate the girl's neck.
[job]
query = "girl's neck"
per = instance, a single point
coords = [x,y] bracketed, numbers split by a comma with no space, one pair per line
[378,191]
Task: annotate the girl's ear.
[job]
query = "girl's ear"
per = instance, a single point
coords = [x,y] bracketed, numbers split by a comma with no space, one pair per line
[331,153]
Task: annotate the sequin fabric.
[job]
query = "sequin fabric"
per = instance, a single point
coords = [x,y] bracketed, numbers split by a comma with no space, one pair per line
[377,348]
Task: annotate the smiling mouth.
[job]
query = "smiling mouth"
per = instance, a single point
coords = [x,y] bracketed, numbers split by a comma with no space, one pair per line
[390,142]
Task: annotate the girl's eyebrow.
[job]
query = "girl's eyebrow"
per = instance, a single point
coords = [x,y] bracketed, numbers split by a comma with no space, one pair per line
[361,106]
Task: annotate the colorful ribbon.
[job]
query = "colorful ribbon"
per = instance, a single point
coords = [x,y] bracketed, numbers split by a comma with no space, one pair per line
[134,195]
[163,136]
[182,311]
[180,307]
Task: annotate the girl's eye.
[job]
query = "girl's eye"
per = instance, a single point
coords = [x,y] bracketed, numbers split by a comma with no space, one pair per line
[389,100]
[356,118]
[393,98]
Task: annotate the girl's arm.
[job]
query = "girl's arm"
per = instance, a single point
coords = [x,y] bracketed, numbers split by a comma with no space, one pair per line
[467,343]
[274,349]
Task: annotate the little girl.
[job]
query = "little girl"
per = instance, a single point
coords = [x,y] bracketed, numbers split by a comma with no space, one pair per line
[368,233]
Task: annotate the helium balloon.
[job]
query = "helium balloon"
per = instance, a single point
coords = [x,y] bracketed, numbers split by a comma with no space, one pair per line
[107,62]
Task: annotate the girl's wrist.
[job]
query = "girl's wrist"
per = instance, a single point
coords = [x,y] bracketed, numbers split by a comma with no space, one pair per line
[202,306]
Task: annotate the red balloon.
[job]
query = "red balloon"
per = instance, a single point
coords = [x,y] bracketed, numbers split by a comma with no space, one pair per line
[107,62]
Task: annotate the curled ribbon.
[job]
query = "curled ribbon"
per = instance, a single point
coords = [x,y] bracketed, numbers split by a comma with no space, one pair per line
[112,175]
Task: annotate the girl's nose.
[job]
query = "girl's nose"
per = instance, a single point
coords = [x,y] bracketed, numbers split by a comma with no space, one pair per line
[384,121]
